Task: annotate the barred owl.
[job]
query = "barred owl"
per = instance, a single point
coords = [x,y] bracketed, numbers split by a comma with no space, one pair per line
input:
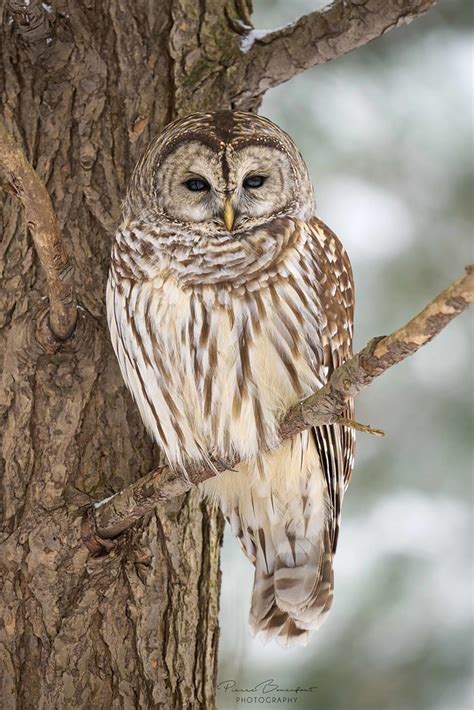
[229,301]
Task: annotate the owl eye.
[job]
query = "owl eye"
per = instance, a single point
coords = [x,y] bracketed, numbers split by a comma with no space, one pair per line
[254,181]
[197,185]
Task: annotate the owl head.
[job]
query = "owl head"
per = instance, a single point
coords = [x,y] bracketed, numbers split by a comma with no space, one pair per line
[220,173]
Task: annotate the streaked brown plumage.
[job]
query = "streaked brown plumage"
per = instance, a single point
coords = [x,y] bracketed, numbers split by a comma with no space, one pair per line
[227,304]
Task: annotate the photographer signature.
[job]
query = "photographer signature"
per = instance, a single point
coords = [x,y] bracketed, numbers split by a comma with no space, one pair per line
[265,686]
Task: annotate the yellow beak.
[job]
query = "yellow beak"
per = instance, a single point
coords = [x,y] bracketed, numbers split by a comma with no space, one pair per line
[228,214]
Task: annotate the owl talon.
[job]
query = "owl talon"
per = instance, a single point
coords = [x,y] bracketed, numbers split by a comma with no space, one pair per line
[225,466]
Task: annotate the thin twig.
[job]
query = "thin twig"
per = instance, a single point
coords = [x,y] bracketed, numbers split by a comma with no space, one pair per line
[115,515]
[44,228]
[270,58]
[366,428]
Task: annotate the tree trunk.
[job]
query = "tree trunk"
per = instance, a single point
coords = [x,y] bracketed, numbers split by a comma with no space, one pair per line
[83,95]
[84,86]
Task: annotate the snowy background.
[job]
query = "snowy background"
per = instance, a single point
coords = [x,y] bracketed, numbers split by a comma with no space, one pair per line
[387,134]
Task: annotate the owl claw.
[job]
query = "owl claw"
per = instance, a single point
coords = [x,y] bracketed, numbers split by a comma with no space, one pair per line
[225,466]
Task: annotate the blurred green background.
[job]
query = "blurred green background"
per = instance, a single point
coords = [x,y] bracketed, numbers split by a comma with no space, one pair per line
[387,134]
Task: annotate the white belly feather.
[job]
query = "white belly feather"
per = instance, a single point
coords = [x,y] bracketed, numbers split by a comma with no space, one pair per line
[164,372]
[176,367]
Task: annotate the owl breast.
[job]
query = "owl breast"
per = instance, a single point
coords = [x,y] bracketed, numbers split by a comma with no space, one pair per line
[214,366]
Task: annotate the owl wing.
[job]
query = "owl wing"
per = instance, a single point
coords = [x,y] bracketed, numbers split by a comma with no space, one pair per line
[336,444]
[292,596]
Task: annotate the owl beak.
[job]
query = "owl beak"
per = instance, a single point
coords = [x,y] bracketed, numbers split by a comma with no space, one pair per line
[229,215]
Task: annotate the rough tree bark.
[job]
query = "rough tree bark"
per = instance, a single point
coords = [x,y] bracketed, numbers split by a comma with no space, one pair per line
[84,86]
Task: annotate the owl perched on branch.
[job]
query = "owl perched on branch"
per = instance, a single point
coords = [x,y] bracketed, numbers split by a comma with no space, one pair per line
[229,301]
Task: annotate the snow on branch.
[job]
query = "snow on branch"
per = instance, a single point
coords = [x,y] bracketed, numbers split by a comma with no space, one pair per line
[108,519]
[271,57]
[24,183]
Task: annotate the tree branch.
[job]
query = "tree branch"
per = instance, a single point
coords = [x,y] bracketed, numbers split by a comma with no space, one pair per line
[114,515]
[270,58]
[43,225]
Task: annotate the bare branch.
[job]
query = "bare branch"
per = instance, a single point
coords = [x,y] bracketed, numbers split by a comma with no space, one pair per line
[32,19]
[270,58]
[44,228]
[114,515]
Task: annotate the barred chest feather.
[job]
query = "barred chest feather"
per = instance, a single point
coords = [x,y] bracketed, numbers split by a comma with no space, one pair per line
[213,366]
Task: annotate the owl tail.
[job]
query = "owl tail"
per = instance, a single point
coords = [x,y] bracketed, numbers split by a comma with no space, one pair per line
[286,526]
[293,590]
